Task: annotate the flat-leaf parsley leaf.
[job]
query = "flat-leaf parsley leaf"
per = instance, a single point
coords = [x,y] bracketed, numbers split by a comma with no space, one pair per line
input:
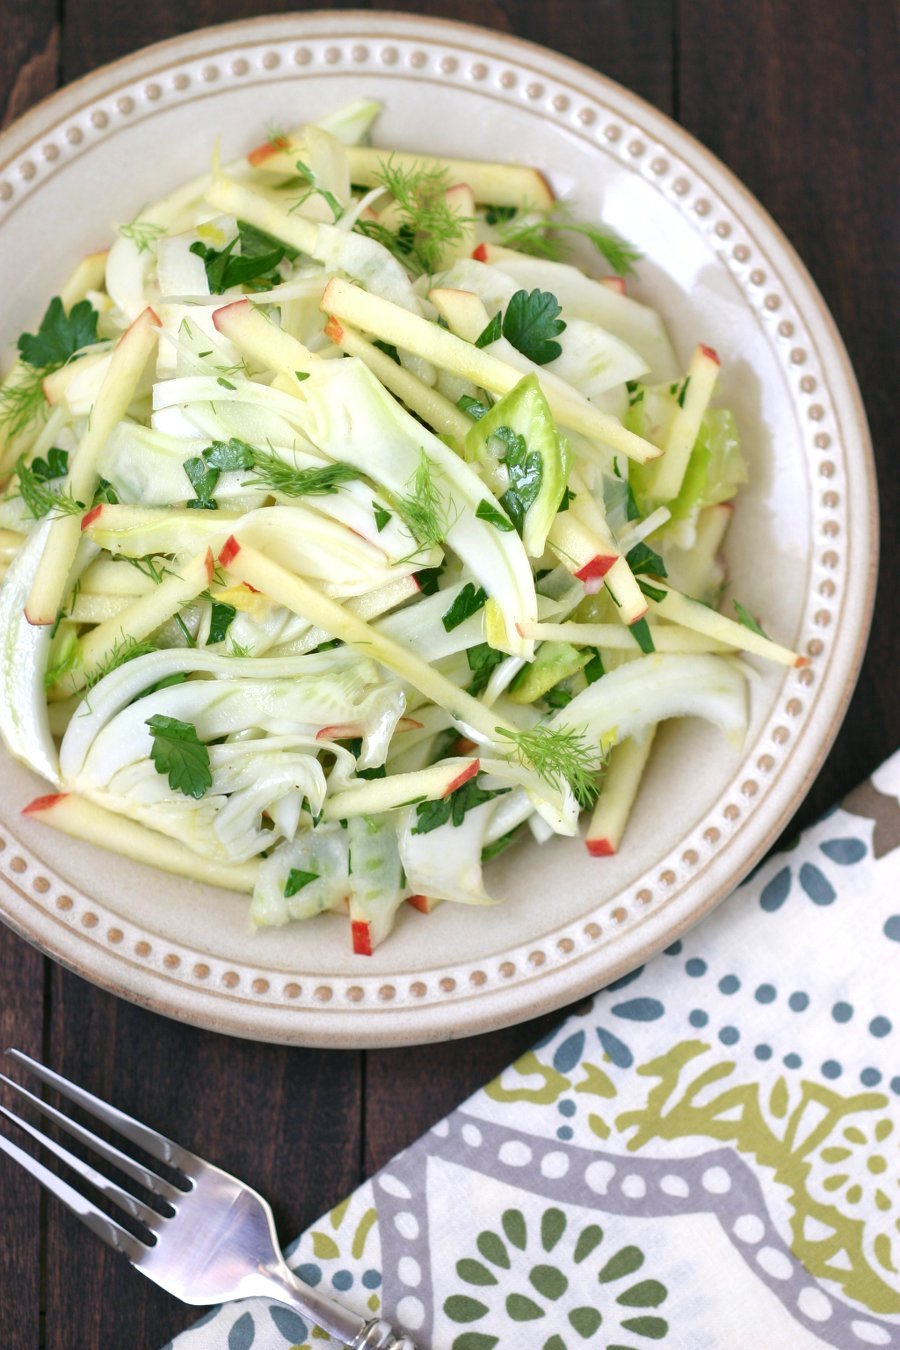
[431,815]
[60,335]
[179,753]
[531,323]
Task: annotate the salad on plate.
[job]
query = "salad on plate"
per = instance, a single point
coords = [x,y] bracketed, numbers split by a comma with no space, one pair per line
[350,533]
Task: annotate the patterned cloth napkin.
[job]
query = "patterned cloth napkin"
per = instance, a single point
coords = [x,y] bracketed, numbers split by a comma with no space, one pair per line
[707,1157]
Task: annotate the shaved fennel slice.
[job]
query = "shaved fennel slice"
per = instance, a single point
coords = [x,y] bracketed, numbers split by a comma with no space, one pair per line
[415,749]
[376,880]
[655,688]
[593,360]
[351,417]
[227,822]
[314,692]
[249,775]
[554,804]
[445,863]
[314,545]
[322,855]
[24,648]
[582,297]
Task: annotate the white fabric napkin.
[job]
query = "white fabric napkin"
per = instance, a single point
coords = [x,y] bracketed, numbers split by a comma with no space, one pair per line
[707,1158]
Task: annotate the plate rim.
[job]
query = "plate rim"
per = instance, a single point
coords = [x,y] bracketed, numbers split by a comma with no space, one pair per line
[387,1022]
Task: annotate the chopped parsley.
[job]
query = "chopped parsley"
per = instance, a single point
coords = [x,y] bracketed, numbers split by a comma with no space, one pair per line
[427,579]
[525,469]
[652,592]
[498,846]
[296,880]
[56,465]
[745,618]
[60,335]
[640,631]
[252,266]
[594,669]
[491,333]
[179,754]
[642,559]
[560,696]
[473,406]
[469,601]
[269,471]
[431,815]
[531,324]
[203,480]
[229,456]
[220,621]
[485,511]
[482,659]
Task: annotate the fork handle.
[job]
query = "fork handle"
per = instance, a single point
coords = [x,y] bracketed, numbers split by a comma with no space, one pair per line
[380,1335]
[347,1327]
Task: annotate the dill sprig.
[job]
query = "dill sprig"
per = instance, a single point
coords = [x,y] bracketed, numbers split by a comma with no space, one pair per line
[147,566]
[125,649]
[68,659]
[424,509]
[428,221]
[42,500]
[21,400]
[272,472]
[317,190]
[238,649]
[142,233]
[540,236]
[558,755]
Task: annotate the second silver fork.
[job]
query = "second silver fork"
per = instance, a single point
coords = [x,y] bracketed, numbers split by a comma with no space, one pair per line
[216,1240]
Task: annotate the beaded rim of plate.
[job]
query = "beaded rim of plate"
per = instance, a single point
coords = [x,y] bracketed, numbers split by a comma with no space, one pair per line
[242,998]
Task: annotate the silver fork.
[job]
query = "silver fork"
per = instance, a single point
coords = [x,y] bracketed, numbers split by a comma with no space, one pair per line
[216,1242]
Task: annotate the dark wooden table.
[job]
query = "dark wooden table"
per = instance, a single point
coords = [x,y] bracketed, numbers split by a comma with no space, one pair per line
[795,97]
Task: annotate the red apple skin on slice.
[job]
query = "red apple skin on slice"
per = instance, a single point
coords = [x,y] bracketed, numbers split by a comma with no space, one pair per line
[597,567]
[222,316]
[338,731]
[600,848]
[423,903]
[362,937]
[230,549]
[261,153]
[41,805]
[463,777]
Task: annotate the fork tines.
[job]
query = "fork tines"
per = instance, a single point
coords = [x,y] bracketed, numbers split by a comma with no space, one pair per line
[153,1143]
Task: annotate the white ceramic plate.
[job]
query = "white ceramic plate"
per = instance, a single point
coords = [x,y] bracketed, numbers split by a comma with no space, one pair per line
[801,550]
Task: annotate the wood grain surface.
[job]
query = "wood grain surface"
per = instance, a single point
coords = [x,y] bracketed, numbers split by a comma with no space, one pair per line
[795,97]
